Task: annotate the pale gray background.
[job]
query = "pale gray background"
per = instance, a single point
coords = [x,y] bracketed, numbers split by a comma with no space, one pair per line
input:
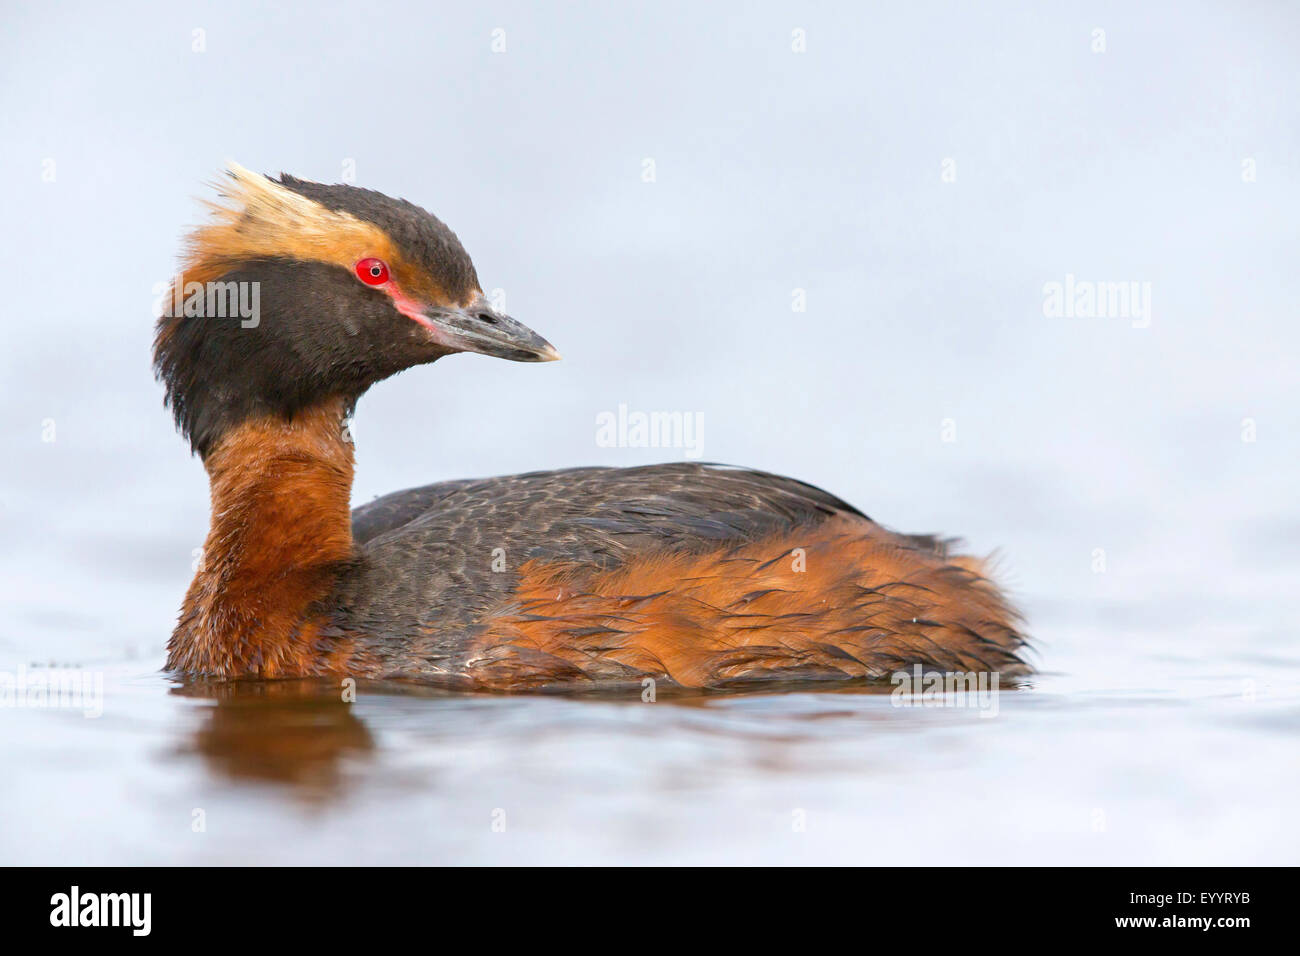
[775,171]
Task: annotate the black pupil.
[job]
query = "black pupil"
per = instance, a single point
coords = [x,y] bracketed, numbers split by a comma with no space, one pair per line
[376,271]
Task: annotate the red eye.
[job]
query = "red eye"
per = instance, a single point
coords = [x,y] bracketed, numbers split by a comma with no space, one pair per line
[372,271]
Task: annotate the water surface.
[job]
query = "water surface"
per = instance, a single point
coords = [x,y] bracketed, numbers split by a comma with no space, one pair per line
[1094,764]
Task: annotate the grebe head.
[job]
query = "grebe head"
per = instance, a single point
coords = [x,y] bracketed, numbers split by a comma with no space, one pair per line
[297,292]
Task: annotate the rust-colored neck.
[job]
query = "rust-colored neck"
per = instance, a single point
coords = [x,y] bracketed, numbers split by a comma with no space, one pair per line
[281,530]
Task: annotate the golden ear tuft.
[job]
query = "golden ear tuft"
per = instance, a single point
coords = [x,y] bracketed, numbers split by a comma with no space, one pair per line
[257,217]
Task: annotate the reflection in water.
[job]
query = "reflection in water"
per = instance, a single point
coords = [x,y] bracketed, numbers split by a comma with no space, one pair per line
[294,732]
[301,732]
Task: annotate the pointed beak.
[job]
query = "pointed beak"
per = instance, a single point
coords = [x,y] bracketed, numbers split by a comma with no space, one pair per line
[480,328]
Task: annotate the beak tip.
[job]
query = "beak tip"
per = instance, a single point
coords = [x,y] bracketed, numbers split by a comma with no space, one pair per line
[549,354]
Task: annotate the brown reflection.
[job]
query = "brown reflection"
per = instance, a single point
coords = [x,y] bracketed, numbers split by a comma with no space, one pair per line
[296,732]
